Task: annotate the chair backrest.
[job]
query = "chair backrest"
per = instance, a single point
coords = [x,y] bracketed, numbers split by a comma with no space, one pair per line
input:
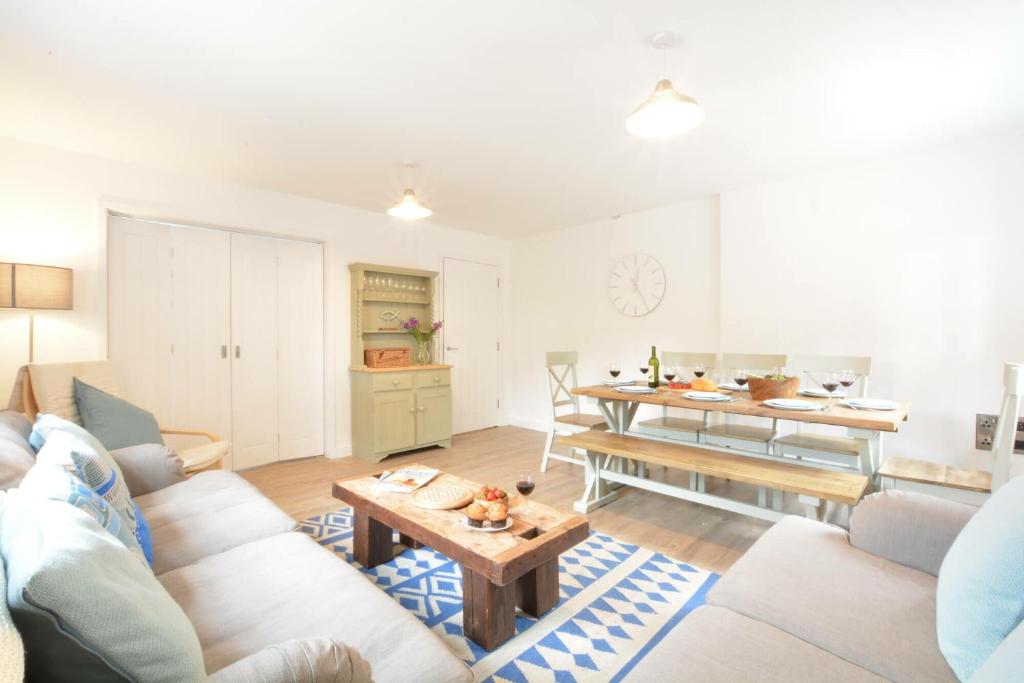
[683,359]
[561,367]
[49,387]
[815,366]
[756,362]
[1006,428]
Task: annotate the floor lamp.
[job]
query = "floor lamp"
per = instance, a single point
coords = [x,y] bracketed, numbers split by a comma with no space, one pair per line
[35,288]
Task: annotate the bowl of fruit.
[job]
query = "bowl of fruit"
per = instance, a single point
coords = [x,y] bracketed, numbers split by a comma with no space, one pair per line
[775,385]
[491,494]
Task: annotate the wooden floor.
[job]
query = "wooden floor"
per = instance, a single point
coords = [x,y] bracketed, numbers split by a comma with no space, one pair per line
[704,536]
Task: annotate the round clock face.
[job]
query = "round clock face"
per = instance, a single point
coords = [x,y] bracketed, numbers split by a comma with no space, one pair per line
[637,285]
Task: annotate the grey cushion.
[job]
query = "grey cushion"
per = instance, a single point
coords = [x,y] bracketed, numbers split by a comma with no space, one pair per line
[288,587]
[207,514]
[717,645]
[910,528]
[87,609]
[148,467]
[298,661]
[806,579]
[114,421]
[12,652]
[16,455]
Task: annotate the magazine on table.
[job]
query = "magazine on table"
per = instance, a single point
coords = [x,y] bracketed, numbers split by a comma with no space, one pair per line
[405,480]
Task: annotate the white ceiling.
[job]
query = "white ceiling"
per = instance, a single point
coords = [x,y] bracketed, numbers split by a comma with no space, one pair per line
[516,110]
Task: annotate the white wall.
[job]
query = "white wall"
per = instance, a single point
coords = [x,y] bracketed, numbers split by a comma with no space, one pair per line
[913,260]
[52,211]
[560,299]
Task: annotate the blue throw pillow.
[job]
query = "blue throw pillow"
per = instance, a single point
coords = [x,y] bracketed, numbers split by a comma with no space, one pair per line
[47,480]
[114,421]
[980,596]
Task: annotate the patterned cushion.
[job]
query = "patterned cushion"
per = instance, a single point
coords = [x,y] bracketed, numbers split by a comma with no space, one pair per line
[116,423]
[79,452]
[47,480]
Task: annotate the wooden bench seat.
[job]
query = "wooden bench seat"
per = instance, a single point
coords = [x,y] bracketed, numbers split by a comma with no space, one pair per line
[811,483]
[963,485]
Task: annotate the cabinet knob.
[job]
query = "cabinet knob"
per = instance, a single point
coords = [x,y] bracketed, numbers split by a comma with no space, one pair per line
[395,382]
[422,409]
[412,410]
[437,379]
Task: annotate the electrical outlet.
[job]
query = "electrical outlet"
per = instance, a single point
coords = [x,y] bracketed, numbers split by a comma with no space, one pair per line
[985,433]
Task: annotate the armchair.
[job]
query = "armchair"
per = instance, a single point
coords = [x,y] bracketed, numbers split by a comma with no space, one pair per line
[48,388]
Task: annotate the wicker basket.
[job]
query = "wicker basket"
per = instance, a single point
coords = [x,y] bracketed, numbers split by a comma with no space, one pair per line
[388,358]
[764,389]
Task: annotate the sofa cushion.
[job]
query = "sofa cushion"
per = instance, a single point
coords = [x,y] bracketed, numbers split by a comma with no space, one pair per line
[207,514]
[288,587]
[717,645]
[53,386]
[148,467]
[981,582]
[12,651]
[805,578]
[87,609]
[16,455]
[114,421]
[46,480]
[298,661]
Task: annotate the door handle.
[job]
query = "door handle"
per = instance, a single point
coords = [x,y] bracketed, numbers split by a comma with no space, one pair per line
[238,351]
[223,350]
[451,348]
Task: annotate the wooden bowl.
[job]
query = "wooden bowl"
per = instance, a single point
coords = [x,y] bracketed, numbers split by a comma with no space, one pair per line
[764,389]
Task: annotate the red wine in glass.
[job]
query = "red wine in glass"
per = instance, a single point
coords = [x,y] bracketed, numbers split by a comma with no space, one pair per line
[741,380]
[698,373]
[614,371]
[829,386]
[643,370]
[669,375]
[525,487]
[847,381]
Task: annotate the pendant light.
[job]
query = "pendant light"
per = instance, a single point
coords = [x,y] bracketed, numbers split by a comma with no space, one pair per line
[667,112]
[409,208]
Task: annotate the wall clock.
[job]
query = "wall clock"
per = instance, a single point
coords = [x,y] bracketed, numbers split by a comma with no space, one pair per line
[637,284]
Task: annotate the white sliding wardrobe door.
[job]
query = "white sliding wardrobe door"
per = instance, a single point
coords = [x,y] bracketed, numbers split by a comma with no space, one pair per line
[471,342]
[301,349]
[139,322]
[254,351]
[201,330]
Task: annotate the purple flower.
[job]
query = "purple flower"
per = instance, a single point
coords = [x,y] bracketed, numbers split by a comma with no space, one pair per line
[437,326]
[410,324]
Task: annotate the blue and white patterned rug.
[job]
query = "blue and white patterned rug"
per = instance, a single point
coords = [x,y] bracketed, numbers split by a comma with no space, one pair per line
[617,601]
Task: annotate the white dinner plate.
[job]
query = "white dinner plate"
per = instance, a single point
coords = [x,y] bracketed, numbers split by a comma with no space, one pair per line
[706,396]
[618,382]
[632,389]
[871,404]
[821,393]
[732,386]
[791,404]
[486,529]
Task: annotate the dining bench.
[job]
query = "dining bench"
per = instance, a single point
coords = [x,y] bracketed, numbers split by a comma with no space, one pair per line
[814,486]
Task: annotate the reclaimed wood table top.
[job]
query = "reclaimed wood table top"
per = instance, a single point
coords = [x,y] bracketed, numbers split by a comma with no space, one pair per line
[839,415]
[536,536]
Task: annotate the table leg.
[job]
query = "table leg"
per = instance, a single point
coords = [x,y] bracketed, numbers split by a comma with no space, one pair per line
[371,540]
[538,589]
[409,542]
[488,610]
[610,414]
[595,492]
[869,444]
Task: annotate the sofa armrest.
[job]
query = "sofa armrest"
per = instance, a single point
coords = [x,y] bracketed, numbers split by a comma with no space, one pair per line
[148,467]
[911,529]
[298,661]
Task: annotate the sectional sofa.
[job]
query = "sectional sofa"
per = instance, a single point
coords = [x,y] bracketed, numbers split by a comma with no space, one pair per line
[249,582]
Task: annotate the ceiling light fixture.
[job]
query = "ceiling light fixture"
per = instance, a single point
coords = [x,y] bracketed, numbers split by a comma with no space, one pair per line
[667,112]
[409,208]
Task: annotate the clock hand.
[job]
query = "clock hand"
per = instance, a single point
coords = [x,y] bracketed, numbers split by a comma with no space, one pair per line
[642,297]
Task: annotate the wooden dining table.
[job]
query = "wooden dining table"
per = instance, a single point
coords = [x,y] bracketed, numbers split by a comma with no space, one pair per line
[865,426]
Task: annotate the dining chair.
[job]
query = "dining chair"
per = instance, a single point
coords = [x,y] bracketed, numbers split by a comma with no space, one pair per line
[822,447]
[679,428]
[745,436]
[565,407]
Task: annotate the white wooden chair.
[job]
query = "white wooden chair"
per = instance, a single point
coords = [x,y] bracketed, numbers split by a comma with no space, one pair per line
[833,449]
[679,428]
[745,436]
[565,407]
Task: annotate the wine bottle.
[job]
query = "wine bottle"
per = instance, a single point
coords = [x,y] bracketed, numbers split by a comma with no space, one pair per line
[655,369]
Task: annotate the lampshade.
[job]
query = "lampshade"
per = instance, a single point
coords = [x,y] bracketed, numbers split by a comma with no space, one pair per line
[24,285]
[409,209]
[667,112]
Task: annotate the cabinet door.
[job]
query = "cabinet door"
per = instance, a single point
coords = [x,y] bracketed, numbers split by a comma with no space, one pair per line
[433,415]
[394,421]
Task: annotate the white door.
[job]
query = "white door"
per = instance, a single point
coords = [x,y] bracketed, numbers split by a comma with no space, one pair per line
[471,342]
[300,340]
[254,349]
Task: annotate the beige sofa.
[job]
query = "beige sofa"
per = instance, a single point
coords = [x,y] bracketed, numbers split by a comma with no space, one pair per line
[811,602]
[247,580]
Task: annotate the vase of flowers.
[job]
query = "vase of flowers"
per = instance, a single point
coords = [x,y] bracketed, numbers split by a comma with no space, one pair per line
[423,336]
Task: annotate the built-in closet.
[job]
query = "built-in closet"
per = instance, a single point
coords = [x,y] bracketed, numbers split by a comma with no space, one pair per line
[220,330]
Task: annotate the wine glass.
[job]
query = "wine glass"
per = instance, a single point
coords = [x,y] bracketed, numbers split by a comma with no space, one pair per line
[740,377]
[847,378]
[525,486]
[669,374]
[614,370]
[644,369]
[830,382]
[699,370]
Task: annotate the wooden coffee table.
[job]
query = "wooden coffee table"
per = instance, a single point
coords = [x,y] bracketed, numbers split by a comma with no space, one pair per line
[500,570]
